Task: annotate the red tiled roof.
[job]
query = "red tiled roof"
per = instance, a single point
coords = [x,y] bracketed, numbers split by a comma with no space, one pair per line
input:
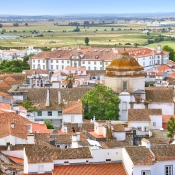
[95,135]
[74,109]
[17,160]
[9,79]
[40,127]
[163,68]
[93,169]
[3,94]
[165,118]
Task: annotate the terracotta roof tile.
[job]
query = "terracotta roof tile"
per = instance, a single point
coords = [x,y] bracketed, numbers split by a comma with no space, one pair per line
[164,152]
[9,79]
[41,128]
[159,94]
[94,169]
[3,94]
[75,109]
[62,139]
[165,118]
[140,155]
[34,72]
[41,154]
[118,128]
[142,114]
[17,160]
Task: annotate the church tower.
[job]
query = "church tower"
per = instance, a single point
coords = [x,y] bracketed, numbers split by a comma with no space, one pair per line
[127,78]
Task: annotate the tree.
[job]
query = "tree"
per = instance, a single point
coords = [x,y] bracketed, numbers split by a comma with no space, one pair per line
[86,40]
[26,24]
[102,103]
[15,24]
[1,25]
[70,80]
[112,29]
[48,124]
[26,57]
[171,127]
[29,106]
[171,51]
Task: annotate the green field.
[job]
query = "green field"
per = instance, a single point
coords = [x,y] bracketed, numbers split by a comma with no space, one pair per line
[55,37]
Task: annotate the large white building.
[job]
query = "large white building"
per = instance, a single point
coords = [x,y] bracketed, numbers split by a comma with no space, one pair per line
[95,59]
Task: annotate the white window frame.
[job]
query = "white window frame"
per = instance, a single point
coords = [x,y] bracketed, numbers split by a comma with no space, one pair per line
[154,124]
[170,170]
[124,83]
[40,168]
[72,119]
[124,106]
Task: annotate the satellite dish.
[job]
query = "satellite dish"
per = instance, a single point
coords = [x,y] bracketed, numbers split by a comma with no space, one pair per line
[174,99]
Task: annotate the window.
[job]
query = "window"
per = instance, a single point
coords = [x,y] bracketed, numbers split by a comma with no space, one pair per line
[95,68]
[143,63]
[108,160]
[33,61]
[51,66]
[49,113]
[94,62]
[39,66]
[72,119]
[38,61]
[56,66]
[83,62]
[101,68]
[33,66]
[67,62]
[124,106]
[43,61]
[66,162]
[154,123]
[106,63]
[158,61]
[62,67]
[39,113]
[146,172]
[51,61]
[43,66]
[139,128]
[56,61]
[40,168]
[150,63]
[100,63]
[169,170]
[145,128]
[14,173]
[89,62]
[124,85]
[89,68]
[62,61]
[158,57]
[59,113]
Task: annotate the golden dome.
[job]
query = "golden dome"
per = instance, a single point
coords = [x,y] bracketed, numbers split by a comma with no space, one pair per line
[124,62]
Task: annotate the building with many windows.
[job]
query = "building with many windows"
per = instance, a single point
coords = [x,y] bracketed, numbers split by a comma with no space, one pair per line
[95,59]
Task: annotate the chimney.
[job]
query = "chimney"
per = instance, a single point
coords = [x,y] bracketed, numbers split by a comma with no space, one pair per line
[47,99]
[12,125]
[8,146]
[74,139]
[59,97]
[30,139]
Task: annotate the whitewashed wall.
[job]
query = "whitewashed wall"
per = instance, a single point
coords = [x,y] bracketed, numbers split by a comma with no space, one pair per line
[120,135]
[77,118]
[167,108]
[157,119]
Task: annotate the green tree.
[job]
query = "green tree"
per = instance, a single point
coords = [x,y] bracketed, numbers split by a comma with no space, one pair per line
[70,80]
[48,124]
[86,40]
[29,106]
[26,24]
[171,52]
[102,103]
[26,57]
[1,25]
[171,127]
[112,29]
[15,24]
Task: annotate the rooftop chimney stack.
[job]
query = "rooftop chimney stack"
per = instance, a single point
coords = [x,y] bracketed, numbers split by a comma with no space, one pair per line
[48,99]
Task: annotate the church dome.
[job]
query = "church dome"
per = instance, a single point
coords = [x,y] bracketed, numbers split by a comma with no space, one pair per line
[124,62]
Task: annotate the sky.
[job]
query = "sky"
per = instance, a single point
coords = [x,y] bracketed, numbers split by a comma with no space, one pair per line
[66,7]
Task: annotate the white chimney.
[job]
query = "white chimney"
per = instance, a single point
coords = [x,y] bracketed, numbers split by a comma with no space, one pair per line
[74,141]
[30,139]
[47,99]
[59,97]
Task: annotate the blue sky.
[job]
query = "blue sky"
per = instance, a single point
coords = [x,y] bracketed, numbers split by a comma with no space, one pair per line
[62,7]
